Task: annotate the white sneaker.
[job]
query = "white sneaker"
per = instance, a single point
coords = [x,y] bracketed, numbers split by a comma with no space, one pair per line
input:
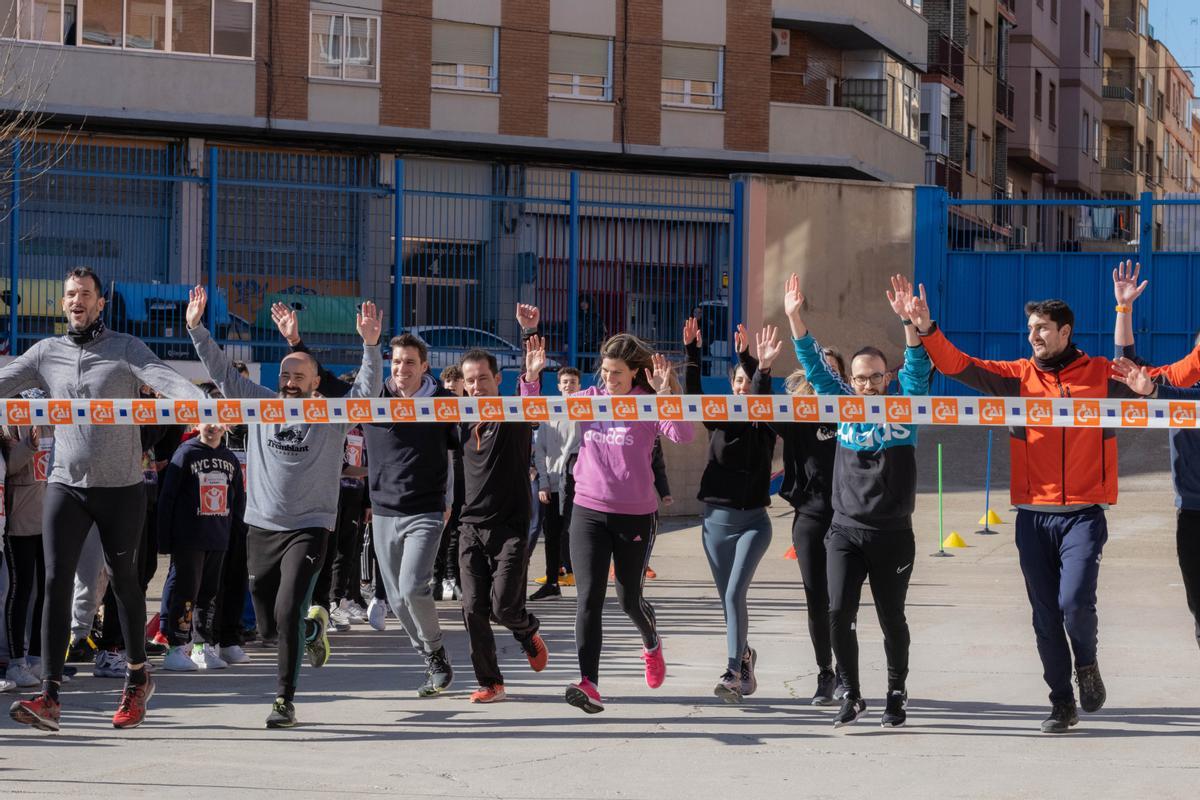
[377,613]
[34,663]
[20,674]
[339,618]
[110,664]
[450,590]
[6,685]
[233,655]
[357,613]
[177,660]
[205,657]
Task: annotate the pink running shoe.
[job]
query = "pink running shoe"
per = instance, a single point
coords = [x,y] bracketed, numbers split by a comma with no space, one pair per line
[656,668]
[585,696]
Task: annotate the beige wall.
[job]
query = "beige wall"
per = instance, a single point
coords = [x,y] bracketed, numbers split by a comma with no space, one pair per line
[581,120]
[596,17]
[345,103]
[686,128]
[475,112]
[694,21]
[844,137]
[479,12]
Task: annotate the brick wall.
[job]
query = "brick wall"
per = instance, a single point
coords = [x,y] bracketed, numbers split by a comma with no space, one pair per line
[800,76]
[524,65]
[406,53]
[639,93]
[747,66]
[281,55]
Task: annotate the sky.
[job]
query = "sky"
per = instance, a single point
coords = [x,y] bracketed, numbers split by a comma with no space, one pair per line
[1177,24]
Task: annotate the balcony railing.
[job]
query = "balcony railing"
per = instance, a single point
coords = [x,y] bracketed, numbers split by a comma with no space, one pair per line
[1120,162]
[1011,5]
[1115,92]
[868,95]
[1005,99]
[949,58]
[941,171]
[1120,23]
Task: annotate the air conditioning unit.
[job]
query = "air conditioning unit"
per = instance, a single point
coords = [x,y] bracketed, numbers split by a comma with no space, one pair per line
[781,42]
[1020,236]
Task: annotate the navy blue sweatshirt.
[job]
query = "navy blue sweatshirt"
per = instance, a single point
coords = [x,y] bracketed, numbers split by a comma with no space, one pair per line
[201,499]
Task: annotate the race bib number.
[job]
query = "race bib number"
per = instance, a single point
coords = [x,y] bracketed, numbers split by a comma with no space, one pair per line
[41,460]
[354,450]
[214,494]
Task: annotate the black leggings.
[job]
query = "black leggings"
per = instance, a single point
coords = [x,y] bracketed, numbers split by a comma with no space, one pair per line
[1187,546]
[625,540]
[552,535]
[283,569]
[197,582]
[808,537]
[345,578]
[231,599]
[67,516]
[886,557]
[26,572]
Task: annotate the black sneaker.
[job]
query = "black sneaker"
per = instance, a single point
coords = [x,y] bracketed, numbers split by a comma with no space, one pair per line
[1091,688]
[839,689]
[438,674]
[826,683]
[894,714]
[81,650]
[729,687]
[154,648]
[546,590]
[283,714]
[1062,718]
[852,708]
[749,680]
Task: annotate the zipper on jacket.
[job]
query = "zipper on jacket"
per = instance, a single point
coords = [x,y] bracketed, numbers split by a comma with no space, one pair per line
[1063,391]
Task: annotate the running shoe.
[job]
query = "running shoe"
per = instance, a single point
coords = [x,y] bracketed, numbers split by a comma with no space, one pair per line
[19,674]
[749,679]
[159,639]
[451,590]
[566,579]
[546,590]
[839,690]
[585,696]
[852,708]
[156,649]
[318,645]
[656,667]
[489,694]
[81,650]
[110,664]
[536,651]
[729,687]
[6,685]
[377,613]
[339,618]
[542,580]
[894,715]
[34,665]
[283,714]
[41,712]
[178,660]
[358,614]
[205,656]
[134,698]
[438,674]
[1091,688]
[826,685]
[233,654]
[1063,717]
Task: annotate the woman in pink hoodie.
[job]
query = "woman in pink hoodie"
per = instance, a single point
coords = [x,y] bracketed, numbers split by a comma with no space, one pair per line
[614,515]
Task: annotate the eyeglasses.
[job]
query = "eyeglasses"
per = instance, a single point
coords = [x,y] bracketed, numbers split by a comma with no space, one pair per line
[874,379]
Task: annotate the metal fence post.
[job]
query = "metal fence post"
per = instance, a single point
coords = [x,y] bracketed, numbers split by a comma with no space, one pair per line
[737,262]
[1146,232]
[212,240]
[573,274]
[14,250]
[398,246]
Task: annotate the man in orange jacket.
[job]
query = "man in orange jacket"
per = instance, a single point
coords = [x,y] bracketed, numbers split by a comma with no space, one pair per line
[1062,480]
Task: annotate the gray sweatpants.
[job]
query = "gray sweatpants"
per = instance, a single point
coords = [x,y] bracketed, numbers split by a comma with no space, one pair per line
[91,579]
[406,548]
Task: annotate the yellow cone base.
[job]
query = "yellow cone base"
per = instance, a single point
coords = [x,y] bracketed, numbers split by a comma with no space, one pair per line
[953,540]
[990,518]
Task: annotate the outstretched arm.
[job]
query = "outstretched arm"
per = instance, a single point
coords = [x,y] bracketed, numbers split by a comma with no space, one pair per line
[1001,378]
[1126,290]
[369,322]
[214,359]
[287,322]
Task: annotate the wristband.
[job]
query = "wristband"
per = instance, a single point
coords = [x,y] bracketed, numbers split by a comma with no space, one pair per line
[1122,309]
[906,321]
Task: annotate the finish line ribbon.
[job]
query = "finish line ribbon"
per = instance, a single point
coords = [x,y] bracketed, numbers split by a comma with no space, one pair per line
[899,410]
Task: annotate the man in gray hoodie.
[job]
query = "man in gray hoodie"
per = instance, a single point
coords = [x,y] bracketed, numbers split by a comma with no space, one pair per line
[292,496]
[96,479]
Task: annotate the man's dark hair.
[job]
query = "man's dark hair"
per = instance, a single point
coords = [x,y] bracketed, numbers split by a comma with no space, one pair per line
[451,373]
[870,351]
[476,355]
[569,371]
[411,340]
[1056,310]
[82,274]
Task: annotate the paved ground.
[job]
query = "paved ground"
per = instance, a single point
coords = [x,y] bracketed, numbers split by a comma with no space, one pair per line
[977,695]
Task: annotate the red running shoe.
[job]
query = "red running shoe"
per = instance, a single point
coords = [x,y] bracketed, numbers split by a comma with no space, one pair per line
[656,667]
[134,698]
[585,696]
[536,652]
[488,694]
[41,712]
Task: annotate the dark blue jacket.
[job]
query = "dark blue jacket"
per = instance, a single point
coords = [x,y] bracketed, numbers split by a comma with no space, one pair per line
[201,499]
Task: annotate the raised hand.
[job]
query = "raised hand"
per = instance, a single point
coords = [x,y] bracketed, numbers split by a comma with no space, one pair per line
[284,317]
[691,332]
[917,310]
[767,346]
[793,298]
[660,376]
[370,324]
[535,357]
[1126,288]
[898,297]
[1133,376]
[197,302]
[528,316]
[741,339]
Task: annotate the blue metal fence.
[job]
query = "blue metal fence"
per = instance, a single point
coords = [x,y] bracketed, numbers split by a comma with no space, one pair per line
[445,247]
[981,260]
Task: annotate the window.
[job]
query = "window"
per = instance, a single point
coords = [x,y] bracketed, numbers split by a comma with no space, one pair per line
[1087,33]
[986,155]
[580,67]
[1037,94]
[973,34]
[691,76]
[233,28]
[971,149]
[1096,140]
[1052,110]
[1054,10]
[904,100]
[464,57]
[1143,20]
[989,34]
[925,130]
[343,47]
[1087,132]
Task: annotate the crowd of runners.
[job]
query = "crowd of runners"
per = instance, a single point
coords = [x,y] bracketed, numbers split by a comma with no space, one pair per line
[264,524]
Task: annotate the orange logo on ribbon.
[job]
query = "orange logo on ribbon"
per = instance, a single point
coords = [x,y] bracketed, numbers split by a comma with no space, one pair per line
[229,412]
[1135,413]
[270,411]
[316,411]
[187,412]
[669,408]
[144,412]
[1087,413]
[59,412]
[579,408]
[624,408]
[715,408]
[945,411]
[446,409]
[1039,413]
[535,409]
[805,409]
[402,410]
[1183,415]
[991,411]
[18,412]
[358,410]
[898,410]
[102,412]
[852,409]
[759,409]
[491,409]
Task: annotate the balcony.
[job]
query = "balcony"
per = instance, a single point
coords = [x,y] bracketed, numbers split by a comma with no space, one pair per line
[1009,9]
[949,61]
[1118,175]
[1121,36]
[1119,106]
[860,25]
[1005,102]
[941,171]
[844,139]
